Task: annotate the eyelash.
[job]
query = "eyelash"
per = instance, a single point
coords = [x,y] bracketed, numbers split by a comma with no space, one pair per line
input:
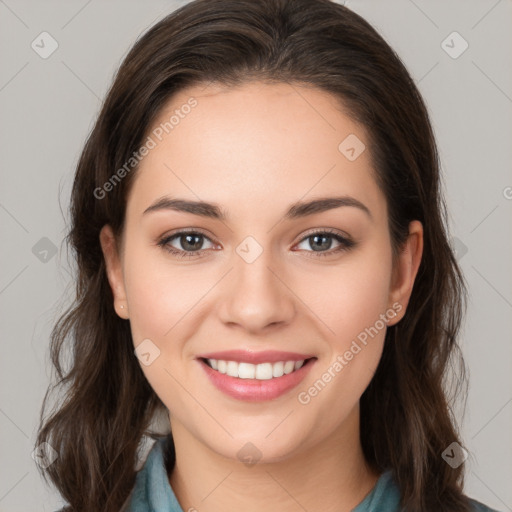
[345,243]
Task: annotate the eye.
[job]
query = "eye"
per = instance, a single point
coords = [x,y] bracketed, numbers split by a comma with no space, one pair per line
[190,243]
[321,240]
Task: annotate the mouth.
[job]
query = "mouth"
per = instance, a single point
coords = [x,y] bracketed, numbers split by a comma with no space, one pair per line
[262,371]
[256,382]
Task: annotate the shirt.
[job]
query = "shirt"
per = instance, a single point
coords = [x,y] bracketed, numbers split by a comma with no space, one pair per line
[152,491]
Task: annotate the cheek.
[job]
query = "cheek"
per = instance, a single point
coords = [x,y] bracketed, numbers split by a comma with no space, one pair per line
[354,309]
[160,295]
[351,297]
[161,302]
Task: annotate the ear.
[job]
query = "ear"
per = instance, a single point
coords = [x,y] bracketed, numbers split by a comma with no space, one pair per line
[114,270]
[405,270]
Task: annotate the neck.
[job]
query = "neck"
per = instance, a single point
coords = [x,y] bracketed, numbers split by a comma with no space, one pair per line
[332,476]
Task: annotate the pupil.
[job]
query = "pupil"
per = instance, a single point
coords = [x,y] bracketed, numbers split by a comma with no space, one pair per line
[323,238]
[191,244]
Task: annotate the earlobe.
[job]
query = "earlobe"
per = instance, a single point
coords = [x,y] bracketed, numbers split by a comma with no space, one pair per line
[114,270]
[406,269]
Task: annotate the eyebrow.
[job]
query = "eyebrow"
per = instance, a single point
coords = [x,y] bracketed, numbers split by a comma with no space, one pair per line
[296,210]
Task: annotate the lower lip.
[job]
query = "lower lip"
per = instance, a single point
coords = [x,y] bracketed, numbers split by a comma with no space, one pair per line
[254,390]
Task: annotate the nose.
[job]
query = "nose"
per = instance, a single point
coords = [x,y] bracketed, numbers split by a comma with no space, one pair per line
[255,296]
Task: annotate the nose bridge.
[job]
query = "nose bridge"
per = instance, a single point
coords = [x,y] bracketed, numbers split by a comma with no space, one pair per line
[252,266]
[256,297]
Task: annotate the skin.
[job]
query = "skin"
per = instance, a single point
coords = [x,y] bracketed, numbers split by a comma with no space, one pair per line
[254,150]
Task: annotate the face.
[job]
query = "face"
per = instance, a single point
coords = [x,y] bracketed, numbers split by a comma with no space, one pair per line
[255,272]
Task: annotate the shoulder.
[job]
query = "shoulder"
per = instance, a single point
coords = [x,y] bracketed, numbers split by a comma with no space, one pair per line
[480,507]
[385,495]
[151,490]
[388,492]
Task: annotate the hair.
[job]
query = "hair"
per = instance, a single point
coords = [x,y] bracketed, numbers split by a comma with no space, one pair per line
[108,406]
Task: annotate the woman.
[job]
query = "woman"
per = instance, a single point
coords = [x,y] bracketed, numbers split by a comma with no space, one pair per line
[263,258]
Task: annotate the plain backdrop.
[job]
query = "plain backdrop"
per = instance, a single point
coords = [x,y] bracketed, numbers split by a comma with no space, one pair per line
[48,106]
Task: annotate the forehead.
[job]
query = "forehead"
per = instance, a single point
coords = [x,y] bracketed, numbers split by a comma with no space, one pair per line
[255,144]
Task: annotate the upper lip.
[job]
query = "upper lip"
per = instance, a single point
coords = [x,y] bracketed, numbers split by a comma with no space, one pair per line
[247,356]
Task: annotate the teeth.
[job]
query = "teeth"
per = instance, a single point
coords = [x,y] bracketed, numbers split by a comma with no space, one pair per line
[277,369]
[245,370]
[232,368]
[222,366]
[289,366]
[262,371]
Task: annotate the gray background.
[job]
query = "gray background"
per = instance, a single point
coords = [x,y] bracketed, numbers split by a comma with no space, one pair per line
[47,107]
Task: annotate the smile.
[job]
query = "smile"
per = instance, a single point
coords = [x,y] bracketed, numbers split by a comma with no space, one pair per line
[262,371]
[252,382]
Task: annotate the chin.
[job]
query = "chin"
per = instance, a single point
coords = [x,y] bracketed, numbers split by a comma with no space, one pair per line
[260,449]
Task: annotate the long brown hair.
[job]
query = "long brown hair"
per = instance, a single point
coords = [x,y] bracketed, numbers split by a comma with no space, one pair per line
[107,404]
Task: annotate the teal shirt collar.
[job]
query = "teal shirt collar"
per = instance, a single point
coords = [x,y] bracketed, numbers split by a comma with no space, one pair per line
[152,491]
